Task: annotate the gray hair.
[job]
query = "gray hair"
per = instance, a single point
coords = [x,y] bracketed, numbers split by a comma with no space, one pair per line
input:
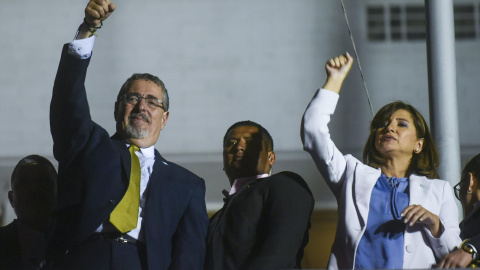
[146,77]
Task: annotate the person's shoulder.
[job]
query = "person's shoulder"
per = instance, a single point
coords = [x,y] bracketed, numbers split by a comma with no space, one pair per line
[9,228]
[288,179]
[354,163]
[179,171]
[8,234]
[424,178]
[9,246]
[351,160]
[287,176]
[436,184]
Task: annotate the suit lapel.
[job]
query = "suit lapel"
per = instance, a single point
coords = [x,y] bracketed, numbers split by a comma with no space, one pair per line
[122,148]
[161,169]
[242,189]
[364,181]
[419,189]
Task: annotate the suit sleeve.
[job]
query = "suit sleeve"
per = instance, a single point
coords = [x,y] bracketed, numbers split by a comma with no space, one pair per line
[316,138]
[475,241]
[450,237]
[70,120]
[287,212]
[471,232]
[189,241]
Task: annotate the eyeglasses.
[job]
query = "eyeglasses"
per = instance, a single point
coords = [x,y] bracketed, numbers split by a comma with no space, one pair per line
[152,102]
[456,190]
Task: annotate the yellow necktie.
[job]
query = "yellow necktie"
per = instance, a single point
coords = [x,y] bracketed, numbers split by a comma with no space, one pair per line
[124,217]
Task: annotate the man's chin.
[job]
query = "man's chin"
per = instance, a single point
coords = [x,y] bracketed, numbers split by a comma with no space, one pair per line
[241,172]
[135,133]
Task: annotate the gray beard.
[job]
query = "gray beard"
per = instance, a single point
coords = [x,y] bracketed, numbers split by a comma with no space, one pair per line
[134,133]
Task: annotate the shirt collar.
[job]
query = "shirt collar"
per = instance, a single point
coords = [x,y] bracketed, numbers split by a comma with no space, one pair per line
[240,182]
[146,152]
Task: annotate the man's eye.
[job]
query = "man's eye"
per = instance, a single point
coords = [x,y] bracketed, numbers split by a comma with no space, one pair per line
[230,143]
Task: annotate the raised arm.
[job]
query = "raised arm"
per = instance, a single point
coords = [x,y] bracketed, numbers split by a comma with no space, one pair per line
[70,121]
[314,130]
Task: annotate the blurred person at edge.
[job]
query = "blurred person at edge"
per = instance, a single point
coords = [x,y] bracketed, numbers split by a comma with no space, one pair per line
[24,242]
[468,193]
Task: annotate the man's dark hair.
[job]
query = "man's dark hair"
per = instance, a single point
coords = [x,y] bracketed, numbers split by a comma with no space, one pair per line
[34,166]
[265,135]
[472,166]
[146,77]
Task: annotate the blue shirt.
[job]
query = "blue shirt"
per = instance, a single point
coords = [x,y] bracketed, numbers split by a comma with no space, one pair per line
[381,246]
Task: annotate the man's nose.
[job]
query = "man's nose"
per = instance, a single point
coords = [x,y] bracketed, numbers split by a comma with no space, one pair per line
[241,145]
[141,103]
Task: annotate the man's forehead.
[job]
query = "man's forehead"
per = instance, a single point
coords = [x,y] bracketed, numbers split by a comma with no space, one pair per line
[141,85]
[243,131]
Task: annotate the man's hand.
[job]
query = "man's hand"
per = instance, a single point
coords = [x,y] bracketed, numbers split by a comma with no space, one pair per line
[337,69]
[97,11]
[457,259]
[417,214]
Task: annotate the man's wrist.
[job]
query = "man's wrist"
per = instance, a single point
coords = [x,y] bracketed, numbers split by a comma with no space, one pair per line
[86,30]
[469,248]
[89,27]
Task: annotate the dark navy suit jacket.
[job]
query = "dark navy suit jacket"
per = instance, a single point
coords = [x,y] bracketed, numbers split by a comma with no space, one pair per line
[93,176]
[470,228]
[10,251]
[264,225]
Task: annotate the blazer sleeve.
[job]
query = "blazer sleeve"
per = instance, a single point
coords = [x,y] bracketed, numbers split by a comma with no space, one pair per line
[70,120]
[450,237]
[286,221]
[189,241]
[316,138]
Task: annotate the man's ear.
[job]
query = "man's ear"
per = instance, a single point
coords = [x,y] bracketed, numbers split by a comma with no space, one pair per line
[472,182]
[10,198]
[271,158]
[115,110]
[164,119]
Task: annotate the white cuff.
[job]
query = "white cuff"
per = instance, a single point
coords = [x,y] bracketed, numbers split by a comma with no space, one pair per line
[81,48]
[475,253]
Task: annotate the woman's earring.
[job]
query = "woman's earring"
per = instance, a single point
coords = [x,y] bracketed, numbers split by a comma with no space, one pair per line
[469,192]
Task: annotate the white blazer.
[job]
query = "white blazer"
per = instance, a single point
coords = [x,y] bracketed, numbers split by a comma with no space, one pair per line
[352,183]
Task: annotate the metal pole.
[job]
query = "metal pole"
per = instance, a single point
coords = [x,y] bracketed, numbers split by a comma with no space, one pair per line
[442,87]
